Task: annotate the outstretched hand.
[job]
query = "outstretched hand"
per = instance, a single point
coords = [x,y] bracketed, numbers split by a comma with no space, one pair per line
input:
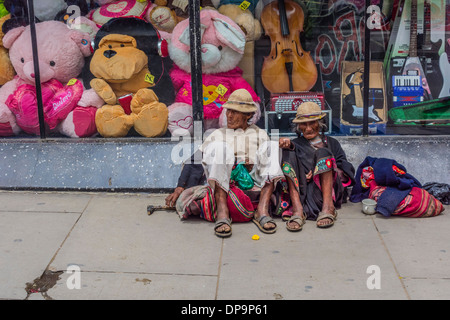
[171,199]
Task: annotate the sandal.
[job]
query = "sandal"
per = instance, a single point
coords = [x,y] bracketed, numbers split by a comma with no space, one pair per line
[219,223]
[297,219]
[261,221]
[324,215]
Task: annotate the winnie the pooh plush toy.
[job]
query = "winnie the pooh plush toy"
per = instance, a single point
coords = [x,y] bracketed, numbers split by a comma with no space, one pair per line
[131,77]
[7,70]
[68,108]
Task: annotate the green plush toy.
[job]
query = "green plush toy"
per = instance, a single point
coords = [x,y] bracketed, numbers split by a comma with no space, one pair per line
[3,11]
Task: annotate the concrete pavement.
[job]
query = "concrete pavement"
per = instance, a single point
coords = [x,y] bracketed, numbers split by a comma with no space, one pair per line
[85,245]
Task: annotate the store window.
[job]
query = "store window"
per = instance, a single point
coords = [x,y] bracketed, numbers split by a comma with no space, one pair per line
[376,67]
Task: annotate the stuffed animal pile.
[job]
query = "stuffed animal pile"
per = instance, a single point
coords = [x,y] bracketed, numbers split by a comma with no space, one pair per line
[222,46]
[104,68]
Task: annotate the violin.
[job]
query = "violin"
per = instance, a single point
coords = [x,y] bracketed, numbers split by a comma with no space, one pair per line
[288,67]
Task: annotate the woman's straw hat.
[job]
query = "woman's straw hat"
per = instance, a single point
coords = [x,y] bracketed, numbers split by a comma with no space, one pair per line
[308,111]
[241,100]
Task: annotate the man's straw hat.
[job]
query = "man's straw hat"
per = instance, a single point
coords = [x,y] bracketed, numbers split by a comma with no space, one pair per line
[308,111]
[241,100]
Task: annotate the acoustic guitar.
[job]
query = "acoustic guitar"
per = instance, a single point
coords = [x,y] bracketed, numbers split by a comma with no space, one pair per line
[288,67]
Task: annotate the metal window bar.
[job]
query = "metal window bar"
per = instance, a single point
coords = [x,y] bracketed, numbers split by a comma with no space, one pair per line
[37,77]
[365,129]
[196,60]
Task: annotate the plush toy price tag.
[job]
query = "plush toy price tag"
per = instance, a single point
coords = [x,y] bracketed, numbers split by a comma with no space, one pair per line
[221,89]
[244,5]
[150,78]
[72,82]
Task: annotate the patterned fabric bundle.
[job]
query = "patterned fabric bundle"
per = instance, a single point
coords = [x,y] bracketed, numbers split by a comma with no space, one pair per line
[396,191]
[417,204]
[202,199]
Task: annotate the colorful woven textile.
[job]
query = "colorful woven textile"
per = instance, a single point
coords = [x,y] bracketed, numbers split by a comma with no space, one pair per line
[417,204]
[239,204]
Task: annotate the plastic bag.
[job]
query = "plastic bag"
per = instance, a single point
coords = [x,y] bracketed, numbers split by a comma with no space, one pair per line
[241,177]
[440,191]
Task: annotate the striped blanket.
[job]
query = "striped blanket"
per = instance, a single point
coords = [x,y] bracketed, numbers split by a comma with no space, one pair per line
[200,199]
[417,204]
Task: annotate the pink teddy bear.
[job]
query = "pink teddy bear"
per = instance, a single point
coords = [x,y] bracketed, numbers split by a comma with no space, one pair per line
[68,108]
[222,46]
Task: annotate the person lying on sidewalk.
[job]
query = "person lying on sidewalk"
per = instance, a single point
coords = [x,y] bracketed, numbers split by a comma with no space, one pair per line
[317,172]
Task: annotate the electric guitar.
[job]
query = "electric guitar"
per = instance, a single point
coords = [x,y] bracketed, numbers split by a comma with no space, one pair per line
[444,65]
[429,53]
[444,62]
[413,65]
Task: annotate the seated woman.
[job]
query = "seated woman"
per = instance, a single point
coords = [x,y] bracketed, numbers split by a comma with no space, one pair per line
[238,143]
[316,170]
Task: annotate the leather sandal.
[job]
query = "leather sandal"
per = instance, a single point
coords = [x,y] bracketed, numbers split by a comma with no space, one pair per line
[261,221]
[323,215]
[219,223]
[297,219]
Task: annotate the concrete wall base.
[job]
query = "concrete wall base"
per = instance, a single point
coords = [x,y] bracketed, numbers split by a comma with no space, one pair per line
[138,164]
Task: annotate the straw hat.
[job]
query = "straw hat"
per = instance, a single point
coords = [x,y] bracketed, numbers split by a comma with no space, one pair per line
[308,111]
[241,100]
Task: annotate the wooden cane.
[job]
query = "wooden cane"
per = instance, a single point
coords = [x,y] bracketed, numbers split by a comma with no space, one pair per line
[151,208]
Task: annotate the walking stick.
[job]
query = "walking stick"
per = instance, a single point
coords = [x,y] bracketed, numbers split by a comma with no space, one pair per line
[151,208]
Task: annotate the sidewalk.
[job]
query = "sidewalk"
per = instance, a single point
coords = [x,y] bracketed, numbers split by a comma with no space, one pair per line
[120,252]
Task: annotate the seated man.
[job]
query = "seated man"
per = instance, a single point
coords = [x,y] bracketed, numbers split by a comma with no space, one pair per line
[238,143]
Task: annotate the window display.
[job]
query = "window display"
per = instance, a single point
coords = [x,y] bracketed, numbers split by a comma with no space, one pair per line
[416,64]
[283,52]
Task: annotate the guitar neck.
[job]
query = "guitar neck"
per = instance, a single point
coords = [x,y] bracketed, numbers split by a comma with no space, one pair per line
[358,96]
[413,30]
[427,22]
[283,18]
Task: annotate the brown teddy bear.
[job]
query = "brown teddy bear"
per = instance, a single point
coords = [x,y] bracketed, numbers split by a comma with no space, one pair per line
[5,63]
[124,80]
